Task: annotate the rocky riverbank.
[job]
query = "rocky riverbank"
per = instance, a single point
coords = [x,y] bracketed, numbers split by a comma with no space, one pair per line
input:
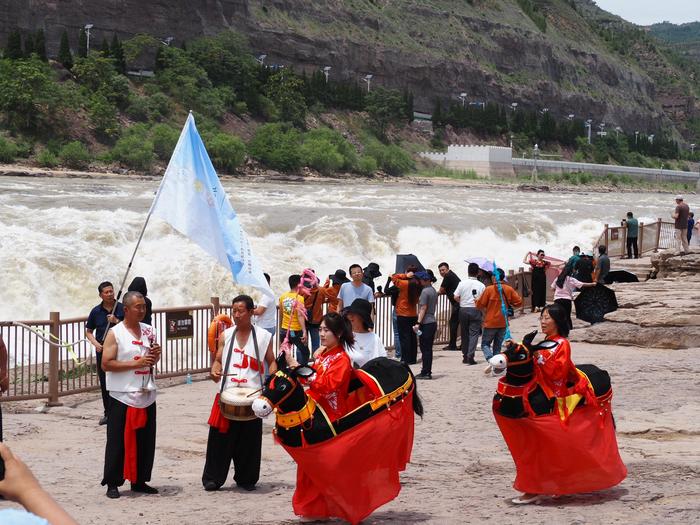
[661,312]
[254,172]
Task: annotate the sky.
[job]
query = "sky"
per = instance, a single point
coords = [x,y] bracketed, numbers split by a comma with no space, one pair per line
[647,12]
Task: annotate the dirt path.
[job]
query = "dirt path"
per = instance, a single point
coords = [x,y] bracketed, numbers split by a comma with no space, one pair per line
[461,471]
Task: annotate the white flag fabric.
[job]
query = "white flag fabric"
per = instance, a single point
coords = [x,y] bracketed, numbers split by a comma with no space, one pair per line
[193,201]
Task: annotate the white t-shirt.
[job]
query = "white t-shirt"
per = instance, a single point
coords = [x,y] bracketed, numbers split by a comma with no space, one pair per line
[367,346]
[465,292]
[349,292]
[268,318]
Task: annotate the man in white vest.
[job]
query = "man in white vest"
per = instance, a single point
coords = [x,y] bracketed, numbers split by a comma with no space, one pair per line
[129,354]
[239,364]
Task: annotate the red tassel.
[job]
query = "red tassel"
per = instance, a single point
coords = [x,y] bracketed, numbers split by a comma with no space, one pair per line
[216,420]
[136,418]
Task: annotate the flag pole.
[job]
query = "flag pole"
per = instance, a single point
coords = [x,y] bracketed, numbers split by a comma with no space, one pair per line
[143,229]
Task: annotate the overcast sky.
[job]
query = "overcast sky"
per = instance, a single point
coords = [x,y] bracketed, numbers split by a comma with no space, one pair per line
[647,12]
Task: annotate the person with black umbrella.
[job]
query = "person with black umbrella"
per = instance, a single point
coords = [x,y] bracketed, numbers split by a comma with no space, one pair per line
[564,288]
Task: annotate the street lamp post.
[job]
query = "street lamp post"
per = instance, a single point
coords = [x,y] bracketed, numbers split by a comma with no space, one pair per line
[588,126]
[168,40]
[326,70]
[535,155]
[651,138]
[692,150]
[87,33]
[261,59]
[636,136]
[463,98]
[368,79]
[571,116]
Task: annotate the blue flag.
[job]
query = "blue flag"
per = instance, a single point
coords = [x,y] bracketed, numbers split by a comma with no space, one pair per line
[192,200]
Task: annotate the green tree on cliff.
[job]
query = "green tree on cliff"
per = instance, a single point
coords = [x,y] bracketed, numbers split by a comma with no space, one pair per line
[82,44]
[13,49]
[104,48]
[65,57]
[385,107]
[40,45]
[116,51]
[285,89]
[29,45]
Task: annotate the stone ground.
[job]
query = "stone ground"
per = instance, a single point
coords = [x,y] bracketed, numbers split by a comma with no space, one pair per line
[461,471]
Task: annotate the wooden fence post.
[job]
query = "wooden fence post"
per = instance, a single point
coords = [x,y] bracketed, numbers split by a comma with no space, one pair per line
[55,330]
[521,274]
[640,239]
[215,304]
[658,235]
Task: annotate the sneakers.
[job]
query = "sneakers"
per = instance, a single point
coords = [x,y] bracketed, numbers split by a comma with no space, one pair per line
[468,361]
[211,486]
[143,488]
[448,347]
[423,375]
[103,420]
[112,492]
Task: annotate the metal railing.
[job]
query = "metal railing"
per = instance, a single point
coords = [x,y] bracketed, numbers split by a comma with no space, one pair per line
[652,237]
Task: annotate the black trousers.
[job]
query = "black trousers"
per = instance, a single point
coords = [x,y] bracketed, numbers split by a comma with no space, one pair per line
[242,444]
[103,383]
[425,339]
[632,246]
[114,451]
[454,325]
[566,303]
[407,338]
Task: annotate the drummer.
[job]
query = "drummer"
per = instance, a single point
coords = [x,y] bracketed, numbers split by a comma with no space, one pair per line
[240,441]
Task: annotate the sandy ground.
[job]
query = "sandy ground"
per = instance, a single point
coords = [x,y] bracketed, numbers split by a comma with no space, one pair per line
[461,471]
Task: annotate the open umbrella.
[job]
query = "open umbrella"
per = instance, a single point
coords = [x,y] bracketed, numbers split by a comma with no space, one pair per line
[593,303]
[621,276]
[484,263]
[404,260]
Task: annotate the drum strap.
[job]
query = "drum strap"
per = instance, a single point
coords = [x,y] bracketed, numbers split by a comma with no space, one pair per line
[228,359]
[230,353]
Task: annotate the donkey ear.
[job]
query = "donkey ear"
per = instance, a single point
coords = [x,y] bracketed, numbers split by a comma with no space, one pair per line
[527,340]
[281,361]
[304,371]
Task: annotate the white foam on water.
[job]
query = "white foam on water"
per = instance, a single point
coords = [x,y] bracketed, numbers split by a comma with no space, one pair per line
[60,238]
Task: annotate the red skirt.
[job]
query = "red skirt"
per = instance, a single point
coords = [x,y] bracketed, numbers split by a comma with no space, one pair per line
[355,473]
[551,458]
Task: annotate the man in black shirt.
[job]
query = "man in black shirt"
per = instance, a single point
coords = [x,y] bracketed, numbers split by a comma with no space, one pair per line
[99,320]
[448,287]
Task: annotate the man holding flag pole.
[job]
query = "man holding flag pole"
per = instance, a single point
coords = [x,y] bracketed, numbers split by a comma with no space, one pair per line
[191,199]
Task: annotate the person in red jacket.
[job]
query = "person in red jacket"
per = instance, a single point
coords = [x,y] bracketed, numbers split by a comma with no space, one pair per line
[329,385]
[494,324]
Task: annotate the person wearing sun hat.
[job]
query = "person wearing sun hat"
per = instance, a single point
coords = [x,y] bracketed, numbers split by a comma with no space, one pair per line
[367,344]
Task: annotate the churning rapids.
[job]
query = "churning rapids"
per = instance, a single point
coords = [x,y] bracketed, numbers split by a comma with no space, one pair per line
[60,237]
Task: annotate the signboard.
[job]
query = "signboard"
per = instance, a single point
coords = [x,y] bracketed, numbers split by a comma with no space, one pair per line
[178,325]
[614,234]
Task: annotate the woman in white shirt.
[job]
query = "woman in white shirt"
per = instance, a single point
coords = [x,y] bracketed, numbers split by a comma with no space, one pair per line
[367,344]
[564,288]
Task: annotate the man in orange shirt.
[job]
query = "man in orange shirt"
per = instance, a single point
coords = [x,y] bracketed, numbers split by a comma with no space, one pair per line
[494,324]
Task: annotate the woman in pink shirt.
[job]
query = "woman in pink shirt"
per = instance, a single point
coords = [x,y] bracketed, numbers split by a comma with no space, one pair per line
[564,288]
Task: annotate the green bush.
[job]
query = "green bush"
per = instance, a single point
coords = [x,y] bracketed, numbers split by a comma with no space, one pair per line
[158,106]
[366,165]
[8,151]
[392,159]
[341,145]
[47,159]
[103,116]
[75,155]
[164,139]
[277,146]
[226,151]
[138,108]
[322,155]
[585,178]
[134,150]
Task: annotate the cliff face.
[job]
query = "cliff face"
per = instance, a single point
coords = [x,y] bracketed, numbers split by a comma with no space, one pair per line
[490,49]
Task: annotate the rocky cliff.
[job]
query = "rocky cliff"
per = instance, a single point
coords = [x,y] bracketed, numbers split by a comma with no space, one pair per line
[489,49]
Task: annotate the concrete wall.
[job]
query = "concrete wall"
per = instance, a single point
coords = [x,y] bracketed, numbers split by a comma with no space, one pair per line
[486,161]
